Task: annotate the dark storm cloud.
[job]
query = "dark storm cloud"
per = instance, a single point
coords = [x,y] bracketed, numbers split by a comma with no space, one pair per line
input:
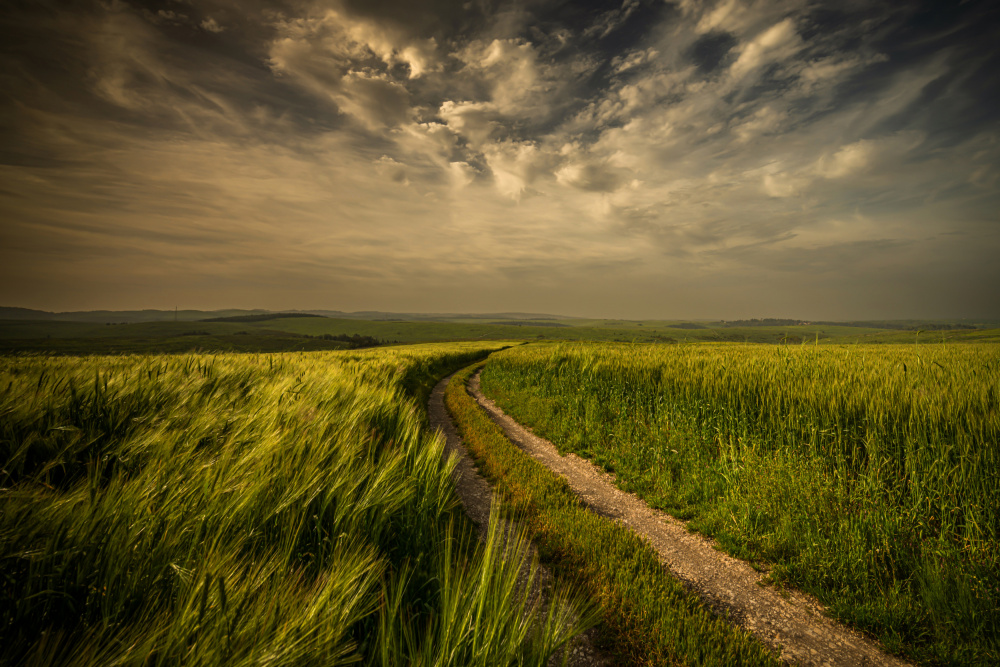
[382,144]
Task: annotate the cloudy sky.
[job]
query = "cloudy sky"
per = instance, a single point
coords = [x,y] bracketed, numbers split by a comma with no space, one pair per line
[683,159]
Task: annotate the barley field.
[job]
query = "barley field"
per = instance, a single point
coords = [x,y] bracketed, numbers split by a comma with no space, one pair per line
[867,475]
[287,509]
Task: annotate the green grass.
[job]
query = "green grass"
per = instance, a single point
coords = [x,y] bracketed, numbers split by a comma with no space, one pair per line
[171,345]
[436,331]
[29,329]
[649,618]
[863,474]
[291,333]
[609,330]
[287,509]
[76,338]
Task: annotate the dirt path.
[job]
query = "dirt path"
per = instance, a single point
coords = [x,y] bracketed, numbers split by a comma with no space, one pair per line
[790,622]
[477,498]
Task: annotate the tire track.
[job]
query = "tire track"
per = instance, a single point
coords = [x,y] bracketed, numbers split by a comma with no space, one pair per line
[476,495]
[791,622]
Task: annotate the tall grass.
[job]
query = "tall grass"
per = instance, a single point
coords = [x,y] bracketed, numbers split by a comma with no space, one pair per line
[864,474]
[649,618]
[288,509]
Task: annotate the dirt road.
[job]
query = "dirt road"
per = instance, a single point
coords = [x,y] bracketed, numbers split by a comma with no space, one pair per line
[477,498]
[789,621]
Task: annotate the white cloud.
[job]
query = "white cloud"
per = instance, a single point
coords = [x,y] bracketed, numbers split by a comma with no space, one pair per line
[633,60]
[392,170]
[593,176]
[125,65]
[822,74]
[211,25]
[462,174]
[373,99]
[336,55]
[765,120]
[420,57]
[511,70]
[784,184]
[433,142]
[725,16]
[884,154]
[519,83]
[472,120]
[848,160]
[515,166]
[777,43]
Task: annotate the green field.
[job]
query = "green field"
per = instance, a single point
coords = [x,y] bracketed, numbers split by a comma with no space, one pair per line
[158,504]
[649,617]
[80,338]
[614,330]
[865,474]
[287,509]
[304,333]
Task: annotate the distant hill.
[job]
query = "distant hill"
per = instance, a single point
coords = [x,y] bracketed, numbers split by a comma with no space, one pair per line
[894,325]
[378,315]
[10,313]
[530,323]
[120,316]
[263,317]
[133,316]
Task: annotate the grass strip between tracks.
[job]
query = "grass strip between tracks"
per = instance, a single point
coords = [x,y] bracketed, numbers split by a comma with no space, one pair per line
[650,618]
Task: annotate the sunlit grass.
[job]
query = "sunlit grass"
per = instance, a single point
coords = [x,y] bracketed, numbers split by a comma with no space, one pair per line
[649,618]
[289,509]
[864,474]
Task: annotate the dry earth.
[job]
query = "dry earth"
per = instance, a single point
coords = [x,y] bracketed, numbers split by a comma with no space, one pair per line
[790,622]
[477,498]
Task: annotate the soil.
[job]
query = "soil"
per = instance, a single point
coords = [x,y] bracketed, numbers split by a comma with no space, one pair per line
[792,623]
[476,495]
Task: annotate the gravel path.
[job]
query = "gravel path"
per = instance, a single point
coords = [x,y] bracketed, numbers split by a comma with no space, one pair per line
[791,622]
[477,498]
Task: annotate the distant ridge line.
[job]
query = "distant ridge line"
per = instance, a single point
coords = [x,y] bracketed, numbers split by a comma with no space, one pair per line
[264,317]
[156,315]
[523,318]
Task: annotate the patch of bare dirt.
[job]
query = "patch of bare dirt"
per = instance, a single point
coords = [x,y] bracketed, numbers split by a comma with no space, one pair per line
[476,495]
[792,623]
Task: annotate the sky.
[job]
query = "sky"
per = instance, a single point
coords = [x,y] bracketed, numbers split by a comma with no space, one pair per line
[636,159]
